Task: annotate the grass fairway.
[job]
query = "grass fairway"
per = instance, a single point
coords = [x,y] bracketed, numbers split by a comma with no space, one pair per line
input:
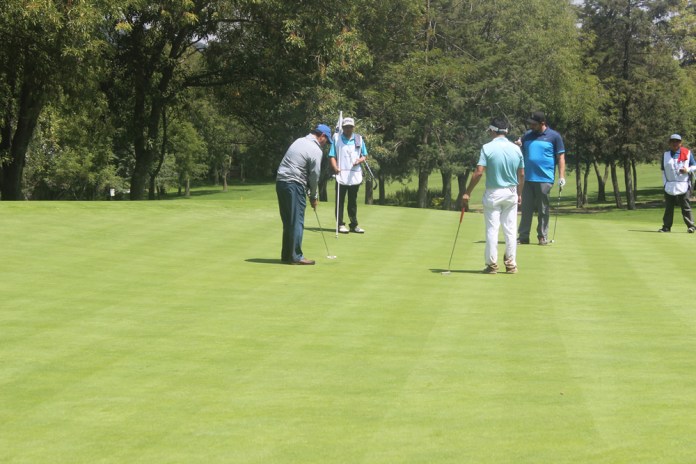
[166,332]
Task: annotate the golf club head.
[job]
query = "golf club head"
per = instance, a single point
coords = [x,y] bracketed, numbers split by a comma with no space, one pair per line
[445,272]
[331,257]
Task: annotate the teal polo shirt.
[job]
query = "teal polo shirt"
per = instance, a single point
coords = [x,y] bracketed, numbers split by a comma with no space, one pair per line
[502,159]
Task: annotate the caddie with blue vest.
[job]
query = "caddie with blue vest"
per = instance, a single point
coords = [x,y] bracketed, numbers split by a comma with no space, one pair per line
[298,176]
[677,163]
[346,155]
[543,150]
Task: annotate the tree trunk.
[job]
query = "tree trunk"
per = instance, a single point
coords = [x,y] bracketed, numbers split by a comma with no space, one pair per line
[160,160]
[580,193]
[31,102]
[628,180]
[188,187]
[635,179]
[446,189]
[601,182]
[324,176]
[226,164]
[615,184]
[382,188]
[423,175]
[369,192]
[586,181]
[146,124]
[462,179]
[143,156]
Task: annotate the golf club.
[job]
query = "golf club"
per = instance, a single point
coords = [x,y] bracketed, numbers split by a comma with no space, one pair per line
[555,221]
[449,265]
[328,255]
[375,185]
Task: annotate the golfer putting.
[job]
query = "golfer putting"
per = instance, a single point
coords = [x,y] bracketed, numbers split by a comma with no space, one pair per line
[298,169]
[503,163]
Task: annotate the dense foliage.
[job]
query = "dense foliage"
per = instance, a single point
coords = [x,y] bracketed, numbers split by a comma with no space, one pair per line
[144,96]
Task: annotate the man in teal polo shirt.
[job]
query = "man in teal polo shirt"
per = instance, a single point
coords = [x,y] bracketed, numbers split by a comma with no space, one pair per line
[503,163]
[543,150]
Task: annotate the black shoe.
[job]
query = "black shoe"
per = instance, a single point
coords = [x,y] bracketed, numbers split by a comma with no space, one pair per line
[522,242]
[691,230]
[663,229]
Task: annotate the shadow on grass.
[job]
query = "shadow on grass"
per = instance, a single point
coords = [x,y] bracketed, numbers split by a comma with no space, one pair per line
[457,271]
[323,229]
[265,261]
[658,232]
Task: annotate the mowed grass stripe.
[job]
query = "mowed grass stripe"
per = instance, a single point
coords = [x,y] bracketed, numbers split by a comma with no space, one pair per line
[211,351]
[624,341]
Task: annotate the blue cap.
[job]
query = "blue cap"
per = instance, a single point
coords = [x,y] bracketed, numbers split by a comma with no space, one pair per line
[326,130]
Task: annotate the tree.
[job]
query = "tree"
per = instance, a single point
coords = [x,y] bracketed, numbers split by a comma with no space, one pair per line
[189,151]
[152,44]
[47,47]
[643,79]
[70,154]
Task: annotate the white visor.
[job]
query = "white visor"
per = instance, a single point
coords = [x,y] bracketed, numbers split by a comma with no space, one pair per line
[495,129]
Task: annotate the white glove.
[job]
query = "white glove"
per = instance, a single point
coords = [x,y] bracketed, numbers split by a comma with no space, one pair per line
[561,182]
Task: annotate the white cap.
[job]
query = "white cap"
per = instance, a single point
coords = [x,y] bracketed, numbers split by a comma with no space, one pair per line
[671,137]
[348,122]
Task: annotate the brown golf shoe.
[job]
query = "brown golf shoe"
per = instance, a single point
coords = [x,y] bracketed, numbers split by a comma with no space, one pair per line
[304,262]
[510,266]
[491,269]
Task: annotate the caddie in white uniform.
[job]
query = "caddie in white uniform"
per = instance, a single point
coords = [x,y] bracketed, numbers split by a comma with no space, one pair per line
[677,163]
[346,155]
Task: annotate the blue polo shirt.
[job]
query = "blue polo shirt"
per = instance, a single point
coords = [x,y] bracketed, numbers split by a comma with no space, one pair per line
[540,151]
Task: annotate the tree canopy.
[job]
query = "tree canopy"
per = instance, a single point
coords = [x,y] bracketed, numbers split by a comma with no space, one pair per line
[143,96]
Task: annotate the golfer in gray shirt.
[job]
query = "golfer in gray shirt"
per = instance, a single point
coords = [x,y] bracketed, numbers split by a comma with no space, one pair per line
[298,171]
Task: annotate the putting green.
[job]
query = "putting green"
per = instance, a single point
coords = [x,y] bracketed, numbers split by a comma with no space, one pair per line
[168,332]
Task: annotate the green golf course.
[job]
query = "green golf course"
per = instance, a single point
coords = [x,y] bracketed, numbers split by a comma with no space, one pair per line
[169,332]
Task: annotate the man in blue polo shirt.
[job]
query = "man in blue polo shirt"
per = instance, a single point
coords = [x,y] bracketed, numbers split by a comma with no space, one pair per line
[504,166]
[543,150]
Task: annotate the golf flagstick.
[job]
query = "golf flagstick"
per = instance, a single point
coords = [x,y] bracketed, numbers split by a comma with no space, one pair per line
[449,265]
[338,133]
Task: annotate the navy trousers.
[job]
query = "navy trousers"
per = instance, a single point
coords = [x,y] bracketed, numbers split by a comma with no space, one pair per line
[292,202]
[352,191]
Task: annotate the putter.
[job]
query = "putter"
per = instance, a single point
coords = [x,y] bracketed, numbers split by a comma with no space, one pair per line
[449,265]
[555,221]
[328,255]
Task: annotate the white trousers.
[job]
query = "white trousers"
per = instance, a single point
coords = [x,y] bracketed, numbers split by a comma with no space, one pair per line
[500,207]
